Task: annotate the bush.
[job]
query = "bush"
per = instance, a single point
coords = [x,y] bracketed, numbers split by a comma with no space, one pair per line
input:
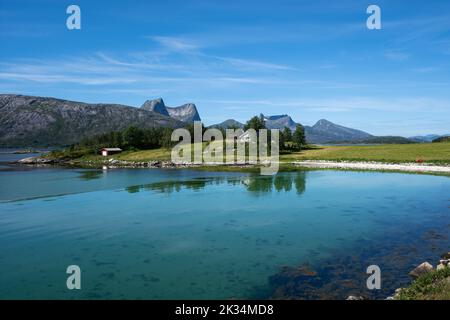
[430,286]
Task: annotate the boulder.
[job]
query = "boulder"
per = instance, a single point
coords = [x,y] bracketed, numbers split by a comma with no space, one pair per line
[36,160]
[423,268]
[355,298]
[441,266]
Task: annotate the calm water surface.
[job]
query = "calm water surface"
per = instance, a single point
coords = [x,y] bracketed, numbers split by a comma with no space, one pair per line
[157,234]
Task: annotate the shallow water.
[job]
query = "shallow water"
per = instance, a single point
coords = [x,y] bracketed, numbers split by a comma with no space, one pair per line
[179,234]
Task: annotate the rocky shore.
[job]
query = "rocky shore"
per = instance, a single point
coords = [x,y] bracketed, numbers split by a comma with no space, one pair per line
[111,163]
[418,274]
[429,282]
[318,164]
[351,165]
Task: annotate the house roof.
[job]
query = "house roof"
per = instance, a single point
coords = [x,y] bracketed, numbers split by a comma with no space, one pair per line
[111,149]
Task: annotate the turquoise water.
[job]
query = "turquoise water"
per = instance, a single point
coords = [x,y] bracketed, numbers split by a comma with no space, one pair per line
[182,234]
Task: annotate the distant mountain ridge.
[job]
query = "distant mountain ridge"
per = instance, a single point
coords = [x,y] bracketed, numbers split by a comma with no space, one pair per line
[186,113]
[322,132]
[325,131]
[444,138]
[427,138]
[41,121]
[228,124]
[280,122]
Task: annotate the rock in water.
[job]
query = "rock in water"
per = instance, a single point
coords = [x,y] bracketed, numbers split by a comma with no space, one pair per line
[354,298]
[35,160]
[423,268]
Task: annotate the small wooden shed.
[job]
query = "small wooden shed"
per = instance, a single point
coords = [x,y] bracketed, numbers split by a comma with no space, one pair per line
[109,151]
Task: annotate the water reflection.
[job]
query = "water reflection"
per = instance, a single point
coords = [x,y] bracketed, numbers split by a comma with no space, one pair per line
[279,182]
[90,175]
[256,184]
[169,187]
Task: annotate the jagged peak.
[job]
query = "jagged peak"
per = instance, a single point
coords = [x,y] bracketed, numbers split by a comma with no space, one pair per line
[276,117]
[156,105]
[323,121]
[187,112]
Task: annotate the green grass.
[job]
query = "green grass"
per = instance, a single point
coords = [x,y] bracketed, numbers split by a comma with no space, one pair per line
[392,153]
[144,155]
[431,286]
[161,154]
[438,153]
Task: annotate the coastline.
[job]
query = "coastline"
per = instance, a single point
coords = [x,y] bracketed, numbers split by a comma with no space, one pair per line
[421,168]
[375,166]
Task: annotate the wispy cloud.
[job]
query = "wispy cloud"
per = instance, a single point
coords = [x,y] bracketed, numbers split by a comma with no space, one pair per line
[180,62]
[424,69]
[253,64]
[344,104]
[175,43]
[397,55]
[102,69]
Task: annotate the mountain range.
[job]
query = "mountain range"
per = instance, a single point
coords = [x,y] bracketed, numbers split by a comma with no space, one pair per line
[427,138]
[27,121]
[40,121]
[323,131]
[229,124]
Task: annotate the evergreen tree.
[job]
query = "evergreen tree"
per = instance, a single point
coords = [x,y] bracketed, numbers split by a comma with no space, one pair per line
[287,133]
[299,136]
[256,123]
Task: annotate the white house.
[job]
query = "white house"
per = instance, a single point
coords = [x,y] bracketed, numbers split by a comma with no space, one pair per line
[245,137]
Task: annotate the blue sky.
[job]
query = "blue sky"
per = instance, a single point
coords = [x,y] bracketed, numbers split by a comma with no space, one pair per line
[234,59]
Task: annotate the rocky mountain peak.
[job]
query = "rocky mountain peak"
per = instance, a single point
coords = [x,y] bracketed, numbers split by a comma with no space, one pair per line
[156,105]
[323,123]
[42,121]
[280,122]
[186,113]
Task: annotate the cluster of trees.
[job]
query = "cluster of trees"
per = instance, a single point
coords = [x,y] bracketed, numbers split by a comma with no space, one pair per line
[130,138]
[289,141]
[442,139]
[137,138]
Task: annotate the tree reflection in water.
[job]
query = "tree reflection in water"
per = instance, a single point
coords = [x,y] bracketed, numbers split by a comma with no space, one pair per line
[279,182]
[256,184]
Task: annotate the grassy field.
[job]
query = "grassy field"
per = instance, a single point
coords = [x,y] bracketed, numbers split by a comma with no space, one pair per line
[438,153]
[145,155]
[396,153]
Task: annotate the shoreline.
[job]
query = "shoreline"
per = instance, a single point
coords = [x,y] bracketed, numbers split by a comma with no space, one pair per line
[374,166]
[424,168]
